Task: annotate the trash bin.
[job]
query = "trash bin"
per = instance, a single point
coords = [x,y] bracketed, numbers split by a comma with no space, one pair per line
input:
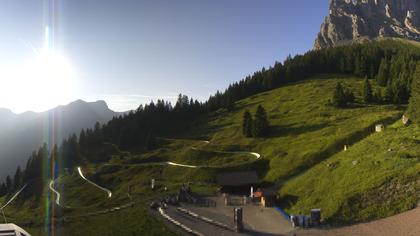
[301,220]
[316,217]
[307,221]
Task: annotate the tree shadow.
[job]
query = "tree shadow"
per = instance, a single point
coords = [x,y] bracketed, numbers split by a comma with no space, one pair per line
[261,166]
[356,105]
[250,105]
[283,130]
[210,129]
[287,201]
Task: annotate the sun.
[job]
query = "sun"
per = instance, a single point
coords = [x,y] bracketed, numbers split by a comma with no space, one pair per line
[52,74]
[38,84]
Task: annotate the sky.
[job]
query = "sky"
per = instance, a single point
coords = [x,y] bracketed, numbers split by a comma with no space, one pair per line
[129,52]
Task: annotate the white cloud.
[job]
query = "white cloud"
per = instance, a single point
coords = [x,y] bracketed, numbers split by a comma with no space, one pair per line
[125,102]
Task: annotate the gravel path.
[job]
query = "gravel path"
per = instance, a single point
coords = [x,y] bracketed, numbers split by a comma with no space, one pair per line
[407,224]
[51,186]
[109,193]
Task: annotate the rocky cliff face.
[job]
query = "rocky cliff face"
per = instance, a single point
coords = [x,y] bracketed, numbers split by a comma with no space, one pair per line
[355,20]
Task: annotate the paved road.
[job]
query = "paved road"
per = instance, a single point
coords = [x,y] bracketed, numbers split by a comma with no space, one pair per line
[198,225]
[407,224]
[209,229]
[257,220]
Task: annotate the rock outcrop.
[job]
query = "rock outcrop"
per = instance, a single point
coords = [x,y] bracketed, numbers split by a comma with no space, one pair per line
[358,20]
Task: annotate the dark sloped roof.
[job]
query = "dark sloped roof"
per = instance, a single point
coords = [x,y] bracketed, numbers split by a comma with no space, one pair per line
[269,192]
[237,178]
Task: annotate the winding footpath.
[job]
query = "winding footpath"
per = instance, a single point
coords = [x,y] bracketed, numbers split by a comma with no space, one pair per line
[256,155]
[163,163]
[169,163]
[57,200]
[109,193]
[13,197]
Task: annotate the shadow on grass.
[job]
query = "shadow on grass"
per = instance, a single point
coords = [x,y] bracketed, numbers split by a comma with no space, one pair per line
[208,130]
[315,158]
[280,130]
[261,166]
[287,201]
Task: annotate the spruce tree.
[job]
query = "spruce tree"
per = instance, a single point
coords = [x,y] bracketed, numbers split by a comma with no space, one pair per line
[9,184]
[414,104]
[339,97]
[342,96]
[82,139]
[3,189]
[383,73]
[389,93]
[230,104]
[372,72]
[55,163]
[348,96]
[247,123]
[377,96]
[18,179]
[367,92]
[151,142]
[261,125]
[358,70]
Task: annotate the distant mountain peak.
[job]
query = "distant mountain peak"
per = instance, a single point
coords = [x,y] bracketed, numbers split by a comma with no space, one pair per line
[79,101]
[357,20]
[20,134]
[5,111]
[101,103]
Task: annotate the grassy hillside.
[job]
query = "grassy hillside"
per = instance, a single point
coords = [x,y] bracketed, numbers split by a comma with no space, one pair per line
[129,184]
[372,179]
[303,156]
[305,130]
[80,198]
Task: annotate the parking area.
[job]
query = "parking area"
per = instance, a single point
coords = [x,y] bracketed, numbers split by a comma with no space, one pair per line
[257,220]
[197,225]
[407,223]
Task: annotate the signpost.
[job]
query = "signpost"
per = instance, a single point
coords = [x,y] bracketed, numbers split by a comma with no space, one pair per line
[237,217]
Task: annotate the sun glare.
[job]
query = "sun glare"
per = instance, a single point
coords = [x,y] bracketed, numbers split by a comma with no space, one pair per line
[40,83]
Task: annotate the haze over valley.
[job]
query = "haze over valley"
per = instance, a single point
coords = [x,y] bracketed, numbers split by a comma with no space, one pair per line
[21,134]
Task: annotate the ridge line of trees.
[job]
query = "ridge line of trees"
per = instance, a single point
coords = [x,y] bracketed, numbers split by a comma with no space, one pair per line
[391,63]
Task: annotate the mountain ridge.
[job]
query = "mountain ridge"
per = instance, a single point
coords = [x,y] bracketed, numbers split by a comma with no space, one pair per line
[4,110]
[20,134]
[361,20]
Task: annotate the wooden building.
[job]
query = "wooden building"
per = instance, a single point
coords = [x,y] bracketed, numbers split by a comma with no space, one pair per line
[237,183]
